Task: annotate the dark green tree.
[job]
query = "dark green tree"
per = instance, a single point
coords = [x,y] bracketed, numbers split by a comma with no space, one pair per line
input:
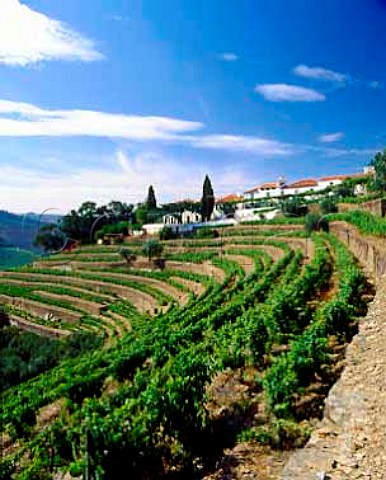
[50,238]
[328,205]
[293,207]
[128,255]
[151,202]
[315,222]
[379,164]
[167,233]
[207,200]
[151,249]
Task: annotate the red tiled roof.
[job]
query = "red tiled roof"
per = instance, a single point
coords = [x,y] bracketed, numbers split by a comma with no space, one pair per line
[343,177]
[307,182]
[252,190]
[268,185]
[230,198]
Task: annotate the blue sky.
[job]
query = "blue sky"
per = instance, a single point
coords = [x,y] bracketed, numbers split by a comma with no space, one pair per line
[100,99]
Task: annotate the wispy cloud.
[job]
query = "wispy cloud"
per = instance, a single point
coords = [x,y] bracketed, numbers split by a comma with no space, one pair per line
[334,152]
[28,36]
[320,73]
[119,18]
[331,137]
[19,119]
[241,143]
[35,121]
[375,85]
[228,57]
[127,179]
[281,92]
[348,152]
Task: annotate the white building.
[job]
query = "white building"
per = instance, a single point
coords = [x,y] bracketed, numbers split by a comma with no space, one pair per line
[190,217]
[302,186]
[170,219]
[308,185]
[266,190]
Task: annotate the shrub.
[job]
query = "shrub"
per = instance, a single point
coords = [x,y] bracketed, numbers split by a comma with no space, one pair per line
[328,205]
[152,248]
[293,207]
[128,255]
[168,233]
[206,233]
[314,222]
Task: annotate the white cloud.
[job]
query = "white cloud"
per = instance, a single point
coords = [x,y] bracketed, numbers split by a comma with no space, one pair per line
[333,152]
[241,143]
[119,18]
[125,178]
[27,37]
[281,92]
[26,120]
[320,73]
[228,57]
[35,121]
[375,84]
[331,137]
[349,152]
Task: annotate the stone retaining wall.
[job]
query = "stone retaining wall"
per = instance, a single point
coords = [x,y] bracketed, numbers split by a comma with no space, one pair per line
[370,251]
[40,310]
[350,442]
[376,207]
[38,329]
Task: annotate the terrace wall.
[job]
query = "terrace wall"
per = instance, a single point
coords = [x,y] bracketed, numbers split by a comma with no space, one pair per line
[370,251]
[39,309]
[376,207]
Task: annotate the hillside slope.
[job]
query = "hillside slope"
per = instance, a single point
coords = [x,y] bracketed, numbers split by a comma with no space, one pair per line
[17,230]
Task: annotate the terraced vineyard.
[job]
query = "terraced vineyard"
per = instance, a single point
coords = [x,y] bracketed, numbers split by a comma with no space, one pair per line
[267,308]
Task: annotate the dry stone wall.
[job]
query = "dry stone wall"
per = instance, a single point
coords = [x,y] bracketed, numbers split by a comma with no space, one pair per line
[350,441]
[370,251]
[376,207]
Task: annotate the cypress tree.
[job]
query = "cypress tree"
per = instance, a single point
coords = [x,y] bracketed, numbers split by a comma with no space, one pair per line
[151,202]
[207,201]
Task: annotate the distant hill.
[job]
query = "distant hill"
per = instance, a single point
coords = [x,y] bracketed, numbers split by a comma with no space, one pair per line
[19,230]
[13,257]
[46,217]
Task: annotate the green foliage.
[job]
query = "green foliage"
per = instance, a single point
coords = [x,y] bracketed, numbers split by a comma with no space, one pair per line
[207,200]
[168,233]
[86,223]
[128,254]
[315,222]
[12,257]
[344,189]
[153,419]
[50,238]
[121,227]
[283,434]
[201,233]
[328,205]
[151,202]
[151,249]
[24,355]
[366,222]
[293,206]
[143,214]
[379,163]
